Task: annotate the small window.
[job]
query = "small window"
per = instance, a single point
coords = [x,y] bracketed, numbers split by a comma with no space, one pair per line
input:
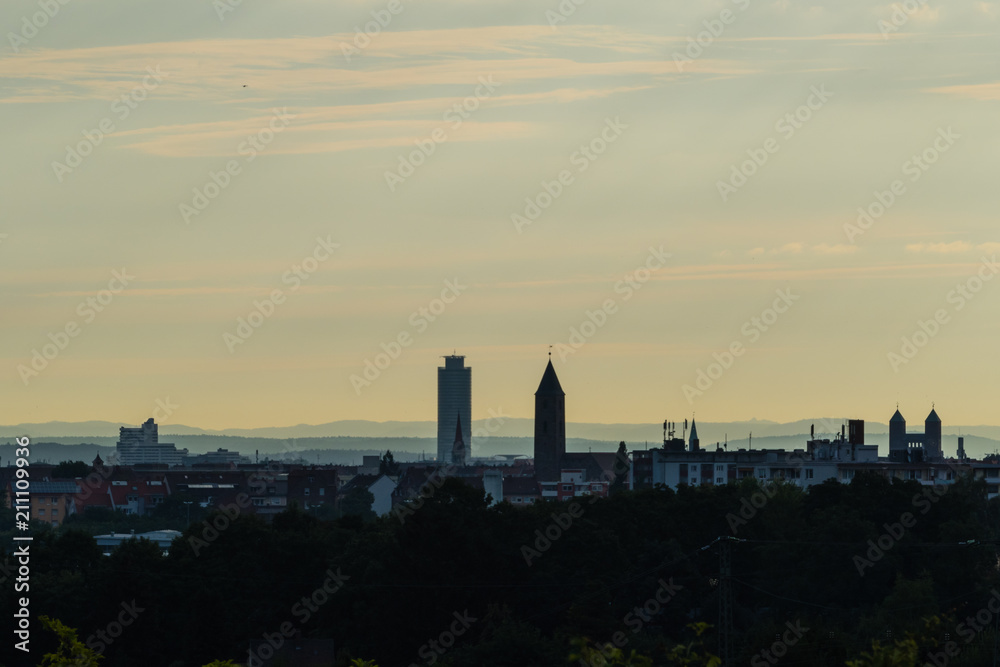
[809,473]
[41,512]
[567,487]
[322,491]
[719,468]
[258,502]
[306,492]
[719,480]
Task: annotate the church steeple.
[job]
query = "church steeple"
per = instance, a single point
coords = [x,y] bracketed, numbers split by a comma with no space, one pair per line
[458,449]
[550,426]
[549,386]
[694,441]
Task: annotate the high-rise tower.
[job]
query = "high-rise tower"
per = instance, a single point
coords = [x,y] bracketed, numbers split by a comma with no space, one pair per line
[550,426]
[454,399]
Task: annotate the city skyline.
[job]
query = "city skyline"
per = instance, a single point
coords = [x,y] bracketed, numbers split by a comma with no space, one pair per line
[238,210]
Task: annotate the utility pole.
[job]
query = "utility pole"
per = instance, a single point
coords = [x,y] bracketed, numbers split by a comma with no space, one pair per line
[725,603]
[726,596]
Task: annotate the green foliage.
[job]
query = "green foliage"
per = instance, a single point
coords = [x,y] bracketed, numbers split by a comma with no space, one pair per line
[694,654]
[388,466]
[71,470]
[358,502]
[621,468]
[70,651]
[455,555]
[901,654]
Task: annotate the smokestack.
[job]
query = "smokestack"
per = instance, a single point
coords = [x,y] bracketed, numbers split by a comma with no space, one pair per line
[812,431]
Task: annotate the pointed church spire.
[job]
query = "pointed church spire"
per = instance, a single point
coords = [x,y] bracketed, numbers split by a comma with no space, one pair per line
[458,449]
[549,386]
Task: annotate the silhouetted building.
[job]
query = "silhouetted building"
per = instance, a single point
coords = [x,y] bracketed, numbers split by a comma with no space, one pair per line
[458,449]
[856,431]
[694,441]
[454,401]
[913,447]
[550,426]
[141,445]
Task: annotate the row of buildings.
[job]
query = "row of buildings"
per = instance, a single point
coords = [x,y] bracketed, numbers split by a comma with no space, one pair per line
[149,472]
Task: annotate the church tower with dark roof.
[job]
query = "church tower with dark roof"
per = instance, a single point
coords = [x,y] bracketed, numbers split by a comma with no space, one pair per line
[932,436]
[550,426]
[898,448]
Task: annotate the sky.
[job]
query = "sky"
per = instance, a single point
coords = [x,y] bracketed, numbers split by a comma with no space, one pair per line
[248,213]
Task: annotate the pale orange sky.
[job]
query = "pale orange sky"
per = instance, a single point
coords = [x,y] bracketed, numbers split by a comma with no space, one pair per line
[270,153]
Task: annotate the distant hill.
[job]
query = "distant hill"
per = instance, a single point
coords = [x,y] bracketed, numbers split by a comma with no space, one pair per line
[512,436]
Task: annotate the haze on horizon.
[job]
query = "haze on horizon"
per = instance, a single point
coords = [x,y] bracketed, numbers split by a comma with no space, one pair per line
[881,101]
